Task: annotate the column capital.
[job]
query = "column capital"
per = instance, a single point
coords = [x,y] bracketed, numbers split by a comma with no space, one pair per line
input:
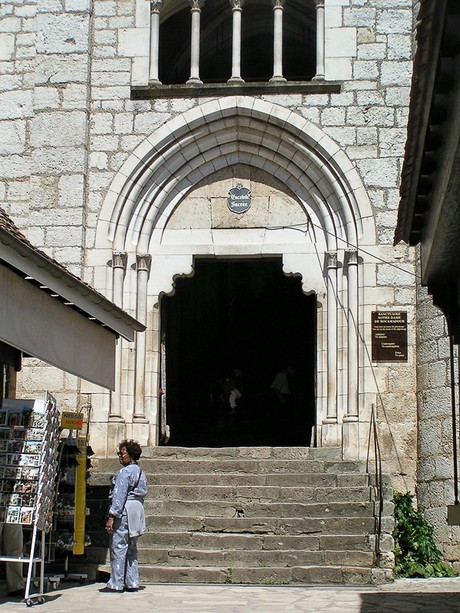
[236,5]
[119,259]
[351,256]
[143,262]
[155,5]
[196,5]
[278,4]
[319,4]
[330,259]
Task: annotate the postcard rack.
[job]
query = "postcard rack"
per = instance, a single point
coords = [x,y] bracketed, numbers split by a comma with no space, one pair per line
[29,437]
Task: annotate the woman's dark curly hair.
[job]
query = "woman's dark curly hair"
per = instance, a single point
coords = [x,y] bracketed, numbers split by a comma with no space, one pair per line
[133,449]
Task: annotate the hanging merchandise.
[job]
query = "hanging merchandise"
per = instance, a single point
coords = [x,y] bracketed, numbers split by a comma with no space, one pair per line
[29,437]
[70,537]
[80,499]
[64,537]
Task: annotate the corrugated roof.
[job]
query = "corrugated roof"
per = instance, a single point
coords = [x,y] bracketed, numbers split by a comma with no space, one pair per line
[7,224]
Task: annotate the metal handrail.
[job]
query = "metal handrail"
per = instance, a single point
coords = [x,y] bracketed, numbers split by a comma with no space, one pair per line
[374,439]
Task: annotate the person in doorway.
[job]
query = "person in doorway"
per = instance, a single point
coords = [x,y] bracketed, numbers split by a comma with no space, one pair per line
[281,390]
[225,393]
[233,389]
[281,385]
[126,520]
[11,540]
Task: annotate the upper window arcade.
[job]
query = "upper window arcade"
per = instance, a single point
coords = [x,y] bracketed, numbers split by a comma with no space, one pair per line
[236,41]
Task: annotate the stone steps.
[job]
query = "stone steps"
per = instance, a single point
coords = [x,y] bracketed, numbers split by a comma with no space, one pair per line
[262,542]
[191,454]
[248,479]
[245,557]
[252,515]
[258,525]
[276,575]
[218,508]
[256,467]
[259,493]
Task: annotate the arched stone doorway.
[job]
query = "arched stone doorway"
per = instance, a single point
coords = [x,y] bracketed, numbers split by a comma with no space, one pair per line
[245,315]
[167,207]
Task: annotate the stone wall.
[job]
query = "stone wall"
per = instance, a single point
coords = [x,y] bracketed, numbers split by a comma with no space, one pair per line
[435,487]
[17,74]
[44,71]
[67,68]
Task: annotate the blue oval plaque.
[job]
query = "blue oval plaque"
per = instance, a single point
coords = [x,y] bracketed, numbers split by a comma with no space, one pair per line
[239,199]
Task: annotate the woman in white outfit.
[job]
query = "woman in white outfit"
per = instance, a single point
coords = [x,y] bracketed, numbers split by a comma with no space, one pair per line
[126,521]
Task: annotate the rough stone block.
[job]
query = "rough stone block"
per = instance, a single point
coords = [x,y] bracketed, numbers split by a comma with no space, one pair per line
[7,40]
[371,51]
[15,104]
[13,137]
[383,173]
[359,17]
[58,160]
[394,21]
[46,98]
[57,129]
[365,69]
[62,33]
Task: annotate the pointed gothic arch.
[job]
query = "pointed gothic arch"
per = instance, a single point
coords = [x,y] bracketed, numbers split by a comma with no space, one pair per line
[163,172]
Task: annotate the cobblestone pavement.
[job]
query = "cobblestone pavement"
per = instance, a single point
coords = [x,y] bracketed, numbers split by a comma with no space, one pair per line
[407,596]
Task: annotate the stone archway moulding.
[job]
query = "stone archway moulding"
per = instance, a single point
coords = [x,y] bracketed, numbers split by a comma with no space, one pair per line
[166,166]
[219,134]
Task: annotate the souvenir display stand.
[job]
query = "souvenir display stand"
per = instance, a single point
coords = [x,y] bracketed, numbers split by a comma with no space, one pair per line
[70,508]
[29,438]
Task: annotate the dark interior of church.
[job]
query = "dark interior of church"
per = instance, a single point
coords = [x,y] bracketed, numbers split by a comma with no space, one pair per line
[299,48]
[242,320]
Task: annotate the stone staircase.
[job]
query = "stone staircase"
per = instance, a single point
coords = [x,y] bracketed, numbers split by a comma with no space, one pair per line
[255,515]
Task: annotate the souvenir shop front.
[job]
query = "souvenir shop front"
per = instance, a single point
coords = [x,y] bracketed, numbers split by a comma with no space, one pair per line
[48,313]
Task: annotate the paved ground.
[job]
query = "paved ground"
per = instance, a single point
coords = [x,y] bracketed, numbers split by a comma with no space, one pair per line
[405,596]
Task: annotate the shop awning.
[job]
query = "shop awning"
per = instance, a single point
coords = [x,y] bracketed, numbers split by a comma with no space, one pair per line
[45,328]
[49,313]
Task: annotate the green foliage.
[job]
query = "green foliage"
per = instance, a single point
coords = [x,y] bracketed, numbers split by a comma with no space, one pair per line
[416,554]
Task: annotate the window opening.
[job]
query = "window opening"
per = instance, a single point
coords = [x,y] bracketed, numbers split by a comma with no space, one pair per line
[257,41]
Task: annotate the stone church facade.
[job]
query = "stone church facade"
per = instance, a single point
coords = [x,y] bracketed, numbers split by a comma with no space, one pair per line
[228,173]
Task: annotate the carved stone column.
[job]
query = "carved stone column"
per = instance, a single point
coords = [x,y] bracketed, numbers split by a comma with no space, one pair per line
[119,261]
[237,6]
[353,366]
[278,8]
[331,271]
[320,37]
[155,7]
[196,6]
[143,263]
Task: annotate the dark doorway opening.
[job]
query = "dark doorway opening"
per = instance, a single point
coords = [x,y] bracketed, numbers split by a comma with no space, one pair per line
[242,320]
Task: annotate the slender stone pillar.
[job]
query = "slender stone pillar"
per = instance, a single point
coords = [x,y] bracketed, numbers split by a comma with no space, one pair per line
[352,413]
[196,6]
[155,7]
[143,263]
[119,260]
[278,7]
[320,37]
[237,6]
[331,267]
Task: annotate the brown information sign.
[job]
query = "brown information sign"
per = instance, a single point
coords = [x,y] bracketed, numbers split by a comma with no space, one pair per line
[389,336]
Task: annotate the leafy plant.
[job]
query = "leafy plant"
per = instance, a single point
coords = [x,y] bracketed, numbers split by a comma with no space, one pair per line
[416,554]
